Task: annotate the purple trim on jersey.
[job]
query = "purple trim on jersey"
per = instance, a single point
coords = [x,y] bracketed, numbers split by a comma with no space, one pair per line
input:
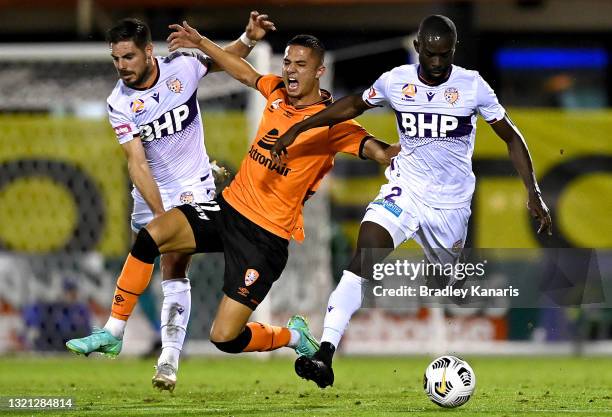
[205,60]
[424,81]
[464,124]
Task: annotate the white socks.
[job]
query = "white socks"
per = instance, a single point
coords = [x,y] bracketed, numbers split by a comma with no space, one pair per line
[115,327]
[174,319]
[295,338]
[343,302]
[170,355]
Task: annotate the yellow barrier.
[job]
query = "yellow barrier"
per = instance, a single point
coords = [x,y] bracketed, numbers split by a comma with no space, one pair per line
[63,182]
[60,175]
[572,153]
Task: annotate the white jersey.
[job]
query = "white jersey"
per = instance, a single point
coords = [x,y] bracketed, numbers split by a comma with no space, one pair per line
[167,119]
[436,127]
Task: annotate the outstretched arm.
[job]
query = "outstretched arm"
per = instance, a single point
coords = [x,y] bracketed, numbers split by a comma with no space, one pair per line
[380,151]
[519,154]
[346,108]
[187,37]
[256,29]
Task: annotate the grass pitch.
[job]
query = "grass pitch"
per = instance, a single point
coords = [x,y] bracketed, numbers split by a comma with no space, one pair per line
[243,386]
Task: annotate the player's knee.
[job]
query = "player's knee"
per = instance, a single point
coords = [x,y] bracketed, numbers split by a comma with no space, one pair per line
[224,341]
[144,248]
[231,346]
[222,334]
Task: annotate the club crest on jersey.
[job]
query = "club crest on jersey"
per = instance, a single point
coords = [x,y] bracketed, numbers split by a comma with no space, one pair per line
[186,197]
[137,106]
[250,277]
[409,91]
[175,85]
[451,94]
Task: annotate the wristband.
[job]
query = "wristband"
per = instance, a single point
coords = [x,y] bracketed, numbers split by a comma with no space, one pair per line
[248,42]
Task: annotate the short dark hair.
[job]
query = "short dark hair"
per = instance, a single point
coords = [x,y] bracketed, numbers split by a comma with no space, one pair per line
[311,42]
[437,24]
[130,29]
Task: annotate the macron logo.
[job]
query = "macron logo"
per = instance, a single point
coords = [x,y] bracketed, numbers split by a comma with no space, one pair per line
[330,308]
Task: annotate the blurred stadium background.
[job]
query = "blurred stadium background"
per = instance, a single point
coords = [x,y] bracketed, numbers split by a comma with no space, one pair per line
[64,189]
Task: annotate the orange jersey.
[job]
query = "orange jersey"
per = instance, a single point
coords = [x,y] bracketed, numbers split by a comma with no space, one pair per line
[272,195]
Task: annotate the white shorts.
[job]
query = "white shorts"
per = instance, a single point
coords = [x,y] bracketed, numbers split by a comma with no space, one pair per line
[440,232]
[142,214]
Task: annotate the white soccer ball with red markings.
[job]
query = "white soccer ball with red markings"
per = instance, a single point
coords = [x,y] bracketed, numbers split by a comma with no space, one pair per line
[449,381]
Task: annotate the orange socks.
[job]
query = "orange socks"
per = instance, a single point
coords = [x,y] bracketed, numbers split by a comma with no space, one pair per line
[133,280]
[265,337]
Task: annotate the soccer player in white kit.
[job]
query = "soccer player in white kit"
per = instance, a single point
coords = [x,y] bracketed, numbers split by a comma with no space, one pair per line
[154,112]
[431,181]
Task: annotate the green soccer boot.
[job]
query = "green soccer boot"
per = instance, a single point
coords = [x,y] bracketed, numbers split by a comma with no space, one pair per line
[308,345]
[100,340]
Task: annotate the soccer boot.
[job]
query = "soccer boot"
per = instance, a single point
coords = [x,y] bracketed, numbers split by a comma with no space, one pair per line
[308,345]
[100,340]
[165,377]
[313,369]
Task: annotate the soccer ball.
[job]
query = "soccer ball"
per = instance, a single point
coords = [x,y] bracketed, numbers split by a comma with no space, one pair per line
[449,381]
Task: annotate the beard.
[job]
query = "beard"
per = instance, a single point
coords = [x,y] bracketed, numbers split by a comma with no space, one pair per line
[141,79]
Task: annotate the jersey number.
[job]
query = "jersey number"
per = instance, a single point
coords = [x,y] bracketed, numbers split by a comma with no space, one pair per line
[395,192]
